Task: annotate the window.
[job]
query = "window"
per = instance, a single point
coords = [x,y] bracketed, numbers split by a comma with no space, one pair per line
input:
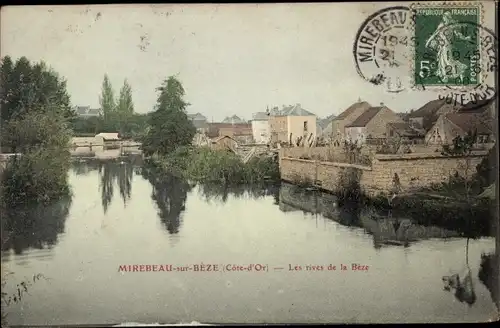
[305,126]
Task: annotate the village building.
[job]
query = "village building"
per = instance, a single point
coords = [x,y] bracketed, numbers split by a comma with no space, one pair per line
[336,128]
[371,125]
[426,116]
[293,123]
[449,126]
[224,143]
[405,132]
[260,128]
[87,111]
[234,120]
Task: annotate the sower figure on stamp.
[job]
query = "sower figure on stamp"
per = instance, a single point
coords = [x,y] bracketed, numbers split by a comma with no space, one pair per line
[441,41]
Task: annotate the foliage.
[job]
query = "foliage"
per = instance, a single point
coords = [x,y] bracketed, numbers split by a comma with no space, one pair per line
[107,98]
[170,126]
[215,166]
[35,114]
[462,147]
[134,126]
[125,103]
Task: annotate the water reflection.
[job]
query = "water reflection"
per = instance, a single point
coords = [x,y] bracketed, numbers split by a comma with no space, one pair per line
[170,194]
[220,193]
[112,173]
[387,229]
[37,227]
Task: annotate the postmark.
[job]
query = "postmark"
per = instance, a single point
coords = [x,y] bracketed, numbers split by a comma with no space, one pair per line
[381,48]
[447,47]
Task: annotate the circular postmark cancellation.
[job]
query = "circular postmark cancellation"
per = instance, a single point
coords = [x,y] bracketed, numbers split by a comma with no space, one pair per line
[381,48]
[454,54]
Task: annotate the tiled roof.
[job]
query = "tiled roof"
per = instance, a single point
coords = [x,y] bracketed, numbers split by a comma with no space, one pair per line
[434,107]
[470,121]
[295,110]
[233,119]
[477,106]
[404,129]
[197,117]
[364,118]
[351,110]
[260,116]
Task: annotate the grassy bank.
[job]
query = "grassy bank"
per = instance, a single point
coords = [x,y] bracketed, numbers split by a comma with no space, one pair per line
[204,165]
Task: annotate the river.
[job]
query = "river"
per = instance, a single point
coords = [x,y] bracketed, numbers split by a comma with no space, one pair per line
[121,216]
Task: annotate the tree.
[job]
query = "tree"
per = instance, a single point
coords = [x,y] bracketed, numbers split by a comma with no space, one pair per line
[125,109]
[35,116]
[125,103]
[107,98]
[170,126]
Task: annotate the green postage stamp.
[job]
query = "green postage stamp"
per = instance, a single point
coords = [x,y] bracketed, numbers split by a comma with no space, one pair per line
[447,44]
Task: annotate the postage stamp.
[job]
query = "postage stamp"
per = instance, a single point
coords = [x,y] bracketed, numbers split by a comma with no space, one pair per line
[447,44]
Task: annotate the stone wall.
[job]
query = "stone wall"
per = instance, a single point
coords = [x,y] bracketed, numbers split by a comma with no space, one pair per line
[413,171]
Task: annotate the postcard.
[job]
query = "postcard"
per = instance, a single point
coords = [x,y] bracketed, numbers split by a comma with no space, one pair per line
[285,163]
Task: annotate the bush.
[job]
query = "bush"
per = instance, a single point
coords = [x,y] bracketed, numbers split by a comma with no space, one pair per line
[216,166]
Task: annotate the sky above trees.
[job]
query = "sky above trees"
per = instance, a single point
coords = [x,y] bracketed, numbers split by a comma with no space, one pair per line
[231,59]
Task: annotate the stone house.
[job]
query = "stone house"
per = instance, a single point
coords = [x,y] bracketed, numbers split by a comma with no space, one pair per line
[224,143]
[292,123]
[372,124]
[449,126]
[426,116]
[260,128]
[335,130]
[405,132]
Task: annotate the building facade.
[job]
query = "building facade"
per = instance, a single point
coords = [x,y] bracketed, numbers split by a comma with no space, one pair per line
[261,130]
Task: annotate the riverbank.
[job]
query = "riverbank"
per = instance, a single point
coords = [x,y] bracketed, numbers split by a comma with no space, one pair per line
[205,165]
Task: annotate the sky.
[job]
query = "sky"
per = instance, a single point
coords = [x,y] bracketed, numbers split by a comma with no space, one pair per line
[231,59]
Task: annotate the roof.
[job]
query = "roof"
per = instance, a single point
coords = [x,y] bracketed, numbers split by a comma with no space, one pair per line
[295,110]
[477,106]
[260,116]
[323,123]
[200,124]
[433,107]
[197,117]
[222,137]
[470,121]
[233,119]
[351,109]
[109,136]
[404,129]
[366,117]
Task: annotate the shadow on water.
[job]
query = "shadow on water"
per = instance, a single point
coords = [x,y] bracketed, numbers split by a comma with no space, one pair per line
[113,174]
[220,193]
[38,227]
[391,230]
[169,194]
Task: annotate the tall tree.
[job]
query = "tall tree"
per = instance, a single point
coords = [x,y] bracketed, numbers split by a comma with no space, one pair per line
[107,98]
[125,103]
[170,126]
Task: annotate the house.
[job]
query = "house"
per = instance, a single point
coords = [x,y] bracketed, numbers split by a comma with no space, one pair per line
[449,126]
[87,112]
[199,121]
[336,129]
[292,123]
[260,128]
[372,124]
[323,124]
[229,129]
[224,143]
[107,139]
[426,116]
[233,120]
[406,132]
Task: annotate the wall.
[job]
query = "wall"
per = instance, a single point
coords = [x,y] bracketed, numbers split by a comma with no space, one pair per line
[278,127]
[413,170]
[261,131]
[377,126]
[295,126]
